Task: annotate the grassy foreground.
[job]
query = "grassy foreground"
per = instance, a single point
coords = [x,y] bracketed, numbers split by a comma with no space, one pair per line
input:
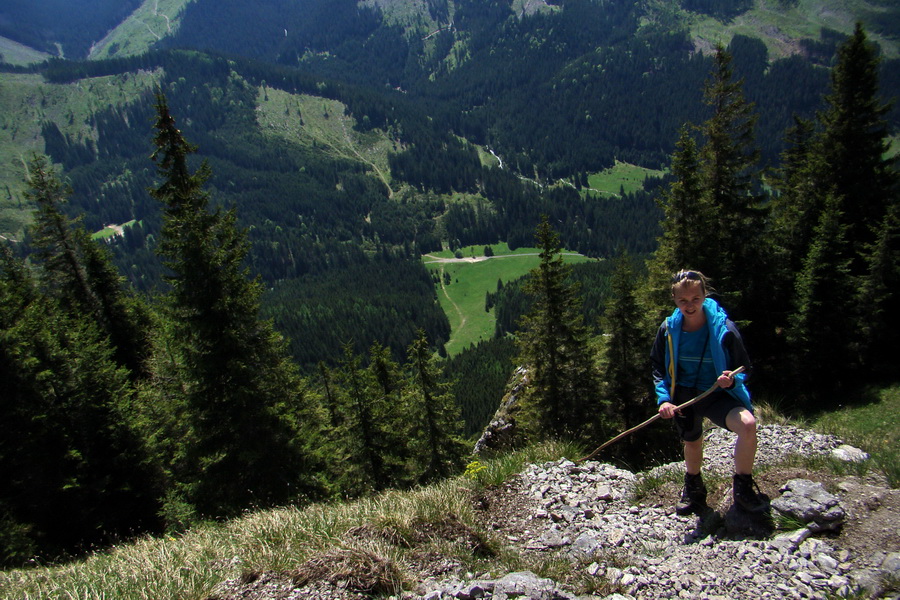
[190,565]
[872,424]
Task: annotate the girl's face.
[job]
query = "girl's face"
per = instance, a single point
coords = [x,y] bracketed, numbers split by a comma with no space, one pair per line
[689,297]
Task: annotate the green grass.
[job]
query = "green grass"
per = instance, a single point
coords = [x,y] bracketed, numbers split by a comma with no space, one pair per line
[470,279]
[152,21]
[190,565]
[872,425]
[620,177]
[15,53]
[494,471]
[111,231]
[311,120]
[781,29]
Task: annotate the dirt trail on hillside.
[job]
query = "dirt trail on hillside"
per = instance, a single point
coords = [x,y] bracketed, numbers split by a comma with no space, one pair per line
[462,316]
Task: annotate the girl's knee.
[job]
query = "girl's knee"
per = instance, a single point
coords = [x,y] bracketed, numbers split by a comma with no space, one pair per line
[695,445]
[742,422]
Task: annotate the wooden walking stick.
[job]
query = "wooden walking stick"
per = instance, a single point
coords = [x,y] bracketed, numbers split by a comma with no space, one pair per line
[693,400]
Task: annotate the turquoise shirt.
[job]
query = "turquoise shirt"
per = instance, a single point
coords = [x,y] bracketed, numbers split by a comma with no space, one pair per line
[695,365]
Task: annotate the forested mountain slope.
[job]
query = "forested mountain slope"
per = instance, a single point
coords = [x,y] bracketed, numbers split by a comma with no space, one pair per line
[348,134]
[415,94]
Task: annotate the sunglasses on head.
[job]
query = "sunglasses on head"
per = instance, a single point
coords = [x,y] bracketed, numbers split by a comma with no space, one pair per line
[681,276]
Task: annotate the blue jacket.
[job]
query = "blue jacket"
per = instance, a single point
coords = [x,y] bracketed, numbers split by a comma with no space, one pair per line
[727,354]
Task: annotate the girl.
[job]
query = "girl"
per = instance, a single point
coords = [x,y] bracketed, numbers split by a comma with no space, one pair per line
[695,348]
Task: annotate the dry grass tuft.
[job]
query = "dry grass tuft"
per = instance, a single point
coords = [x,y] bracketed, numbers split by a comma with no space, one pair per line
[354,569]
[387,534]
[454,531]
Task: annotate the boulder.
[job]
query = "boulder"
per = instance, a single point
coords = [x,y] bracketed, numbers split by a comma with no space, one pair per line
[809,502]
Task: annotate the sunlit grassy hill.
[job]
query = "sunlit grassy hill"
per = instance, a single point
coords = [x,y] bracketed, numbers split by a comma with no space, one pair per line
[151,22]
[470,278]
[781,25]
[26,102]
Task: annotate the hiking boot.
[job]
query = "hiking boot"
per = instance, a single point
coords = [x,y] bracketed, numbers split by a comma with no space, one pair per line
[746,494]
[693,495]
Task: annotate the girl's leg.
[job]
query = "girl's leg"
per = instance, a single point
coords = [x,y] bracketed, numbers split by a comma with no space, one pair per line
[742,422]
[693,456]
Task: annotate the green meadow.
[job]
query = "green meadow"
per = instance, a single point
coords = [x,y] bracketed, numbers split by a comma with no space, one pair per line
[618,178]
[152,21]
[471,277]
[779,26]
[872,422]
[324,123]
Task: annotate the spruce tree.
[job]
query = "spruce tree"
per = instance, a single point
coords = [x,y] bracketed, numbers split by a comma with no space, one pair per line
[729,172]
[854,143]
[876,303]
[222,370]
[434,418]
[686,211]
[820,325]
[625,354]
[799,201]
[370,430]
[393,413]
[73,471]
[856,167]
[842,163]
[562,398]
[79,273]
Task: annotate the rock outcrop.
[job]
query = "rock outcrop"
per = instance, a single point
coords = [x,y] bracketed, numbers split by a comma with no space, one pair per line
[824,536]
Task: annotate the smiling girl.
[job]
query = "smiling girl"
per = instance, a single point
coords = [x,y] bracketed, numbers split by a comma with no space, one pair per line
[697,347]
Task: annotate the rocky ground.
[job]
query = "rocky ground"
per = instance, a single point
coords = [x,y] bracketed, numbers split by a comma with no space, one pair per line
[823,537]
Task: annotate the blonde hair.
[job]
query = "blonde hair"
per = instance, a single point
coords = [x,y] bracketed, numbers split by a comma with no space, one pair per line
[688,276]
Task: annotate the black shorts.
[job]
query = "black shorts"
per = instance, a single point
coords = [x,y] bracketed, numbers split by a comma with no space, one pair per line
[715,407]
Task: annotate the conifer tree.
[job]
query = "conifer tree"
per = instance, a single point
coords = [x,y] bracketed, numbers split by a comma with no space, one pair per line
[73,472]
[330,395]
[854,142]
[796,207]
[854,165]
[363,464]
[222,370]
[876,302]
[842,169]
[729,167]
[434,416]
[79,273]
[394,414]
[386,371]
[686,211]
[625,364]
[562,397]
[820,326]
